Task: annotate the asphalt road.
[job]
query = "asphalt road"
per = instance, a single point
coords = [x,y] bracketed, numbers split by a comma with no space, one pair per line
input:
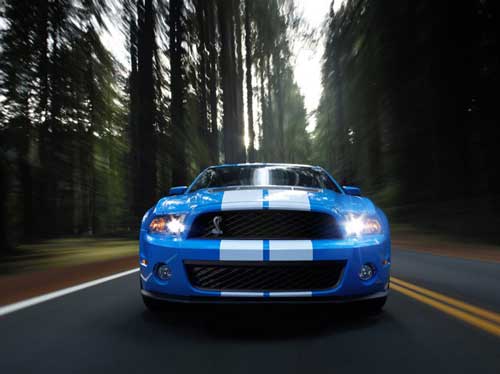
[106,329]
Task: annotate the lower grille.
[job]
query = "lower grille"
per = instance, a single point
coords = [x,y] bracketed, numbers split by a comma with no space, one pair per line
[264,276]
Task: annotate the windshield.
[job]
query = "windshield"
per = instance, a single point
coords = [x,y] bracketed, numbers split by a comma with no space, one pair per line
[294,176]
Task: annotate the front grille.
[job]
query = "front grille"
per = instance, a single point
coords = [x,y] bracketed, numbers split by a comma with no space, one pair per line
[264,276]
[265,224]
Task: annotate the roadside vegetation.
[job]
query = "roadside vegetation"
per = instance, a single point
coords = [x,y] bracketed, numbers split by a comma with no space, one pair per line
[88,143]
[409,110]
[63,252]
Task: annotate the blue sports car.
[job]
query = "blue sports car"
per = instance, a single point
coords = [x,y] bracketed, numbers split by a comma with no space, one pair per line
[264,233]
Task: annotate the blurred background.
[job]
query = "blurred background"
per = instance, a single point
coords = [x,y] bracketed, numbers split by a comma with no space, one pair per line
[106,104]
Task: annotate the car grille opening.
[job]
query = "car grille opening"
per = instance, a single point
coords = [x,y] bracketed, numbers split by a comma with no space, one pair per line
[265,224]
[264,276]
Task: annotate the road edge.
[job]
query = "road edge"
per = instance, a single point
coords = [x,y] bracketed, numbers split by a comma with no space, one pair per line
[23,286]
[10,308]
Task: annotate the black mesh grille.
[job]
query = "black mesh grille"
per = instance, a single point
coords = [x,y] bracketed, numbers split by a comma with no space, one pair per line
[265,224]
[264,276]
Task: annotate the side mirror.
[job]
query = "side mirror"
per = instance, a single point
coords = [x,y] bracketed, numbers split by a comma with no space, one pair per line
[179,190]
[351,190]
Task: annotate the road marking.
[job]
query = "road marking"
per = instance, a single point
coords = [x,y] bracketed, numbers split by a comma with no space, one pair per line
[488,314]
[466,315]
[52,295]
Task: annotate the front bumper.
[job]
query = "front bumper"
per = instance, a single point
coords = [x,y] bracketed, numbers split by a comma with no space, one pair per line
[174,252]
[260,300]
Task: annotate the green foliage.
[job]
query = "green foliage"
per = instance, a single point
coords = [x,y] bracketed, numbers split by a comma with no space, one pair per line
[283,118]
[407,108]
[92,144]
[61,107]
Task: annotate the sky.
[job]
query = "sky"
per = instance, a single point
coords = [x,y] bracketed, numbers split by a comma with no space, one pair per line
[307,68]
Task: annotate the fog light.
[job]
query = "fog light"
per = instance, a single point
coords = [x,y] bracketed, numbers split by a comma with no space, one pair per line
[367,272]
[163,272]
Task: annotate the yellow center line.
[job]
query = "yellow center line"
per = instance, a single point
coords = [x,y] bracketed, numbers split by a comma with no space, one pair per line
[483,324]
[488,314]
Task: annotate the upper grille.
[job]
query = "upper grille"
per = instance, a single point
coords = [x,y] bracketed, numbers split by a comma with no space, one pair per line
[265,224]
[264,276]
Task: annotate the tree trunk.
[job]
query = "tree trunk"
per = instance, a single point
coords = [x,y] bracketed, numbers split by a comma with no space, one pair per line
[280,107]
[177,89]
[146,105]
[248,60]
[5,244]
[240,130]
[263,114]
[201,6]
[228,74]
[269,129]
[48,132]
[26,178]
[212,53]
[134,133]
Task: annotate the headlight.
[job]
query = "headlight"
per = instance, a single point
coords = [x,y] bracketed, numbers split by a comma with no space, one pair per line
[172,224]
[361,225]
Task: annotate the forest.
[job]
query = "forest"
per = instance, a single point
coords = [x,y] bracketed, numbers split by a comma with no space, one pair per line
[87,143]
[409,109]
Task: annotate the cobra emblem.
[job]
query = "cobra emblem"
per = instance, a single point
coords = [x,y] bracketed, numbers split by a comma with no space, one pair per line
[217,223]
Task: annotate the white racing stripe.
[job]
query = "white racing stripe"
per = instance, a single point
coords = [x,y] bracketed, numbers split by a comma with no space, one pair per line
[52,295]
[291,294]
[288,199]
[242,199]
[290,250]
[241,250]
[241,294]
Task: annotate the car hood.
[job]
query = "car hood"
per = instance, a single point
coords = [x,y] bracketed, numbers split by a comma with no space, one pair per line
[264,198]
